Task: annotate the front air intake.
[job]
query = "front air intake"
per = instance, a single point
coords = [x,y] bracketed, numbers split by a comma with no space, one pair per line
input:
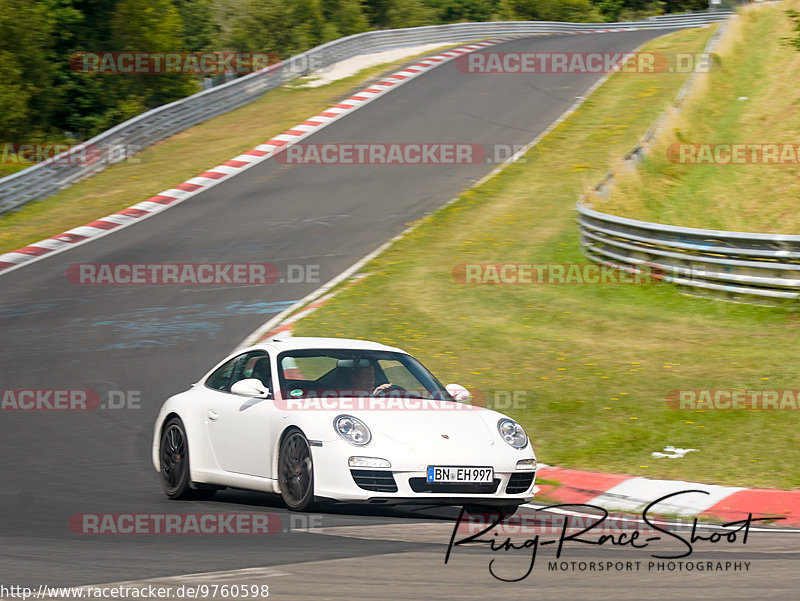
[374,480]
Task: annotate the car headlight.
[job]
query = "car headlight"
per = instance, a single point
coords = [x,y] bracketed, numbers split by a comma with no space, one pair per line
[512,433]
[352,430]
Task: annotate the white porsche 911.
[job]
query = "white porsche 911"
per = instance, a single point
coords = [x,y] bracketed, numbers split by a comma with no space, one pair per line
[331,419]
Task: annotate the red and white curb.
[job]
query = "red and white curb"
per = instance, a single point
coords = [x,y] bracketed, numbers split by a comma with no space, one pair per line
[191,187]
[632,493]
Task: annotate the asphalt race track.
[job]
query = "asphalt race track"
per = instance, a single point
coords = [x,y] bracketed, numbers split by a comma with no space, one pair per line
[154,341]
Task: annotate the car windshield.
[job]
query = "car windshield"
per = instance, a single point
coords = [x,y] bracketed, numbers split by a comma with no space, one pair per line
[343,373]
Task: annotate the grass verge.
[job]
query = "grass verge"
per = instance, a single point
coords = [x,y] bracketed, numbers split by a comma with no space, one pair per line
[751,98]
[591,365]
[179,158]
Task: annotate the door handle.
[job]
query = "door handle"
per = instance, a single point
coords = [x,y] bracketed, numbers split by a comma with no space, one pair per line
[213,415]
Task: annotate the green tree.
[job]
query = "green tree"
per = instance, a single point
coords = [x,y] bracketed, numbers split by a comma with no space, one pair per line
[393,14]
[346,15]
[681,6]
[610,9]
[26,85]
[14,99]
[285,27]
[149,26]
[454,11]
[575,11]
[410,13]
[78,99]
[376,12]
[199,28]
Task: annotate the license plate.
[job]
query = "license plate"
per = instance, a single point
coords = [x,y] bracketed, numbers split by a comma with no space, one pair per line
[444,473]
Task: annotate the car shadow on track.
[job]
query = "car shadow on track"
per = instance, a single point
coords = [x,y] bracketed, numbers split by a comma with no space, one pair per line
[244,498]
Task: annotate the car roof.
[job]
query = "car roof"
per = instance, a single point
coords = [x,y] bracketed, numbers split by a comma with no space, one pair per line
[279,344]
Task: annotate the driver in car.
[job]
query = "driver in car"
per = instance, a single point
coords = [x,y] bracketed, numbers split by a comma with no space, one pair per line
[363,378]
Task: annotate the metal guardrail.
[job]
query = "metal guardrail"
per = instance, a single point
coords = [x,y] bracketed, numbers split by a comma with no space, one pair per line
[124,140]
[744,266]
[738,265]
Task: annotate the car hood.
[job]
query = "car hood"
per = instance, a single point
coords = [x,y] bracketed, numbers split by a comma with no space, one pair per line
[447,424]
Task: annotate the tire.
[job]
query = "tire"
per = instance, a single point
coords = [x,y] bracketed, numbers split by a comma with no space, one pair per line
[296,471]
[174,463]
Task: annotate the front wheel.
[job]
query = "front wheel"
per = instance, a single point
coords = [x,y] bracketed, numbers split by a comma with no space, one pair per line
[174,454]
[296,471]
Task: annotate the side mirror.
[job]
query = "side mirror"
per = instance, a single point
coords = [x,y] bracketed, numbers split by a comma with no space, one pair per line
[252,388]
[458,392]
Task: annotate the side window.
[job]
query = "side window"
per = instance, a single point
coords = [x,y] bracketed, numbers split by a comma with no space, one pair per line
[257,366]
[254,364]
[220,379]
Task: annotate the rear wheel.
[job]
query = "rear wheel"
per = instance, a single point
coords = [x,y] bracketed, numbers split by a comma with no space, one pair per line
[174,455]
[296,471]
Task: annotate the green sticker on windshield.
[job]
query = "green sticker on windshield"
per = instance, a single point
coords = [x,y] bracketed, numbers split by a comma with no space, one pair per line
[296,393]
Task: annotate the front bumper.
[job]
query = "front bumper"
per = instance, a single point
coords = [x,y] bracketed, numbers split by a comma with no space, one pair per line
[412,487]
[405,481]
